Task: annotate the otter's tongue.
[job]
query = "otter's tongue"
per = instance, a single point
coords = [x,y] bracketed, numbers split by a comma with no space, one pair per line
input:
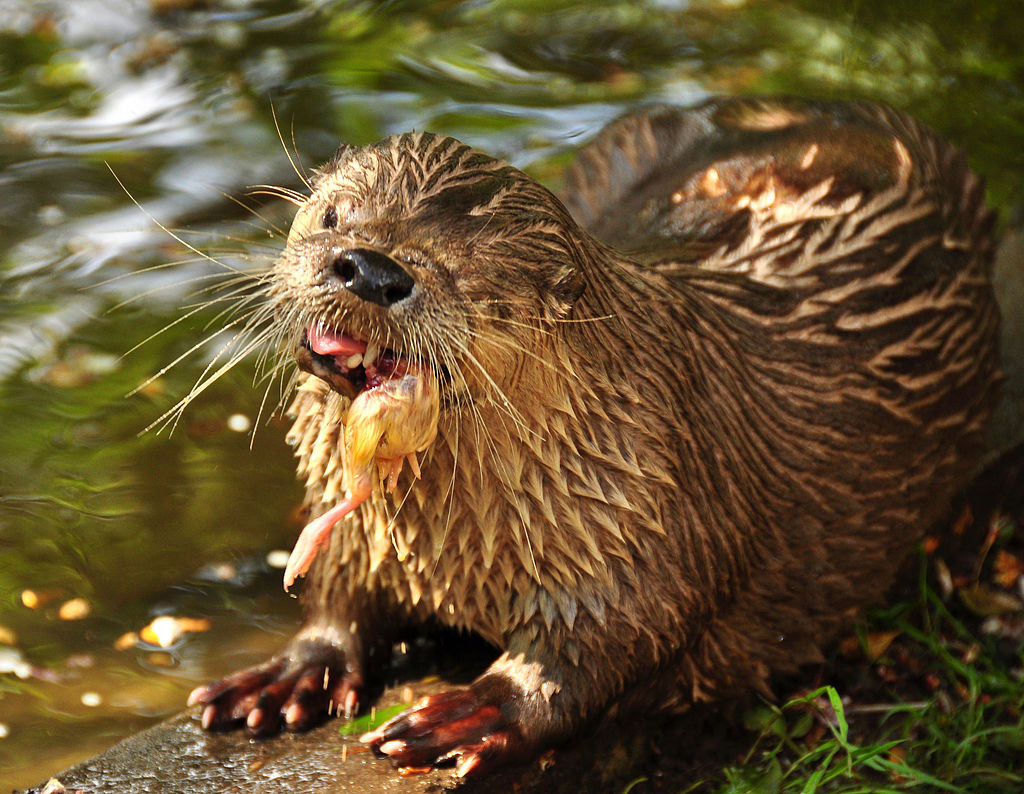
[328,343]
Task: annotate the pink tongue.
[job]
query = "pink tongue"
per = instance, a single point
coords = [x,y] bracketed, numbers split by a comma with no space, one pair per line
[328,343]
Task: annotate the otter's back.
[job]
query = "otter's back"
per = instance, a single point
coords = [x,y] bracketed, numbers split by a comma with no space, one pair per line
[842,252]
[678,184]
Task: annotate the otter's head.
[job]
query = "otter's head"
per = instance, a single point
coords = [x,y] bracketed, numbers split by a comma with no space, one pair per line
[421,253]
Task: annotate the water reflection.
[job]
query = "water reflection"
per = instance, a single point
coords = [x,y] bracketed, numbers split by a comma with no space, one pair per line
[176,100]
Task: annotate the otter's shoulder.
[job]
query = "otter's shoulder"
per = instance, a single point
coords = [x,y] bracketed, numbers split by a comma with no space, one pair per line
[678,183]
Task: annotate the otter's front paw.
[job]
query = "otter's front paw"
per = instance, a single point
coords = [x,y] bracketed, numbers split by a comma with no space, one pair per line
[301,686]
[462,725]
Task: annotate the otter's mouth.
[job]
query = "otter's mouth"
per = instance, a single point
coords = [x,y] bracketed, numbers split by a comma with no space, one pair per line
[348,365]
[392,417]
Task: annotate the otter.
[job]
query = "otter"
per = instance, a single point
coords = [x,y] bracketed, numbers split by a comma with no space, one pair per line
[656,439]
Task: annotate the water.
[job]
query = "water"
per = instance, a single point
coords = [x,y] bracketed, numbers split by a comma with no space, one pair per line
[120,117]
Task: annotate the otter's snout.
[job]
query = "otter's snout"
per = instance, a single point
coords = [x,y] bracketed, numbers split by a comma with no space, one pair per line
[372,276]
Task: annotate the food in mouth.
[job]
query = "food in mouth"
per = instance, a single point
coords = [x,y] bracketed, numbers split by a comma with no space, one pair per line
[392,417]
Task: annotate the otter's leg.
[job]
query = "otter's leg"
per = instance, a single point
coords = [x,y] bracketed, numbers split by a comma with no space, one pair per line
[503,716]
[548,681]
[320,671]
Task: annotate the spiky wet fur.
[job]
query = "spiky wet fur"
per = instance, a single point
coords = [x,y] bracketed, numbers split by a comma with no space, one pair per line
[675,461]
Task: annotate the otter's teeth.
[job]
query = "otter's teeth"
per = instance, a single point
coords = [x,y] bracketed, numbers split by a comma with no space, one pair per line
[370,356]
[354,360]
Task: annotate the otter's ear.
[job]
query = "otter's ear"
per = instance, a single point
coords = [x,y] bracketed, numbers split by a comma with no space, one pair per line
[339,156]
[571,286]
[567,288]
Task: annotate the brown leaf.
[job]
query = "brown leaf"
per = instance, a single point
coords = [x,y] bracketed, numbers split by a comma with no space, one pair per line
[985,601]
[876,644]
[897,755]
[879,642]
[1007,569]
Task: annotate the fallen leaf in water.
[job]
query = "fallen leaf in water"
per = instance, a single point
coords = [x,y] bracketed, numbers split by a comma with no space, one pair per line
[75,609]
[167,629]
[985,601]
[34,599]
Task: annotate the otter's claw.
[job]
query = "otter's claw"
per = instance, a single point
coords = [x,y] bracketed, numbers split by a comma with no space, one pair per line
[299,690]
[453,725]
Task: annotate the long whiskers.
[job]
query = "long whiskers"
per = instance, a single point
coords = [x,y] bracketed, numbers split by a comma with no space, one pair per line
[247,306]
[291,160]
[243,342]
[176,321]
[167,230]
[289,195]
[292,197]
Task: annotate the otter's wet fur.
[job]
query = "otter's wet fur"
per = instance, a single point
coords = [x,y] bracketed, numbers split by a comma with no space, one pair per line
[694,414]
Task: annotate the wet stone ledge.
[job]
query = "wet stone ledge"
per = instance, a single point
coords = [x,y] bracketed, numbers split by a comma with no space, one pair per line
[178,757]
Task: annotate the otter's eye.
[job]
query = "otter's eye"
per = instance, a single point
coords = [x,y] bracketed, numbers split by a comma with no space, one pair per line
[330,218]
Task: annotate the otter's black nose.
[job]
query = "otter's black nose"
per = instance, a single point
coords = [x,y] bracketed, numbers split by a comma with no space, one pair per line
[372,276]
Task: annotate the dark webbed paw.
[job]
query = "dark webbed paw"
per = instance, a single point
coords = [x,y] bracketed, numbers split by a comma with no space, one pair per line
[310,679]
[459,725]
